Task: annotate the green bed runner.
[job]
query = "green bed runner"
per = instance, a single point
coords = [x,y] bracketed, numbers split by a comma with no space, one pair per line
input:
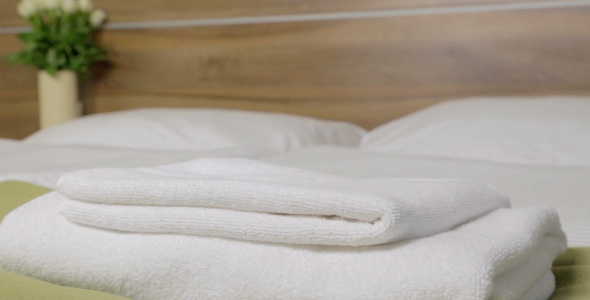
[572,275]
[571,269]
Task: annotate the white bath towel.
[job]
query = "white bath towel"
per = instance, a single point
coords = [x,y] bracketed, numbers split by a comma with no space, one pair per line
[250,200]
[503,255]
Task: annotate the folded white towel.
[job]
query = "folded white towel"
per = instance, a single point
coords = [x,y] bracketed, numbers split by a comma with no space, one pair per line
[503,255]
[245,199]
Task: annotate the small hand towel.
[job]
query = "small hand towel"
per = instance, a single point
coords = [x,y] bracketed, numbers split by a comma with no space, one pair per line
[251,200]
[504,255]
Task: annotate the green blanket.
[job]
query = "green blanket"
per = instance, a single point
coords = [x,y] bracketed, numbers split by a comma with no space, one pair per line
[571,269]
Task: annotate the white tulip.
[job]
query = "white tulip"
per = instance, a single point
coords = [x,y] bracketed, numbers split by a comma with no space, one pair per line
[69,6]
[97,17]
[26,8]
[48,4]
[85,5]
[40,4]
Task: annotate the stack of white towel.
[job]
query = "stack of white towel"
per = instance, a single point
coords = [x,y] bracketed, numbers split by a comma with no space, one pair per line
[240,229]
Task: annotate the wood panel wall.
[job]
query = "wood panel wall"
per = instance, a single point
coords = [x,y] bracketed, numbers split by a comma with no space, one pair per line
[358,69]
[18,90]
[366,70]
[160,10]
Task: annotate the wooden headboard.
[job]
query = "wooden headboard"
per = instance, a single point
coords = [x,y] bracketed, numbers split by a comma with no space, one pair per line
[361,61]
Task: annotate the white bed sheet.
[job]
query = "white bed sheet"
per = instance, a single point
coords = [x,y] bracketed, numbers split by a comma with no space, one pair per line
[44,164]
[565,188]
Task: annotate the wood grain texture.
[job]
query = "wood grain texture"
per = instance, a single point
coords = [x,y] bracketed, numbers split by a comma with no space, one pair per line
[366,71]
[334,64]
[18,119]
[16,82]
[18,94]
[159,10]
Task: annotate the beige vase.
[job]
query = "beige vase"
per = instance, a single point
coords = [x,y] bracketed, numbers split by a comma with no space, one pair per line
[58,97]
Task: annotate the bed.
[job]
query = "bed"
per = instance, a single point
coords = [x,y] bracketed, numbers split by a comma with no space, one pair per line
[254,66]
[533,167]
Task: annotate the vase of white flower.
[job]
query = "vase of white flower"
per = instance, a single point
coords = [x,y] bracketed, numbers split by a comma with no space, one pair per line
[58,97]
[62,45]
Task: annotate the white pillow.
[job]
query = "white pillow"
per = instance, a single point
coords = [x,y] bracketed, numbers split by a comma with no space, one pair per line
[540,131]
[199,129]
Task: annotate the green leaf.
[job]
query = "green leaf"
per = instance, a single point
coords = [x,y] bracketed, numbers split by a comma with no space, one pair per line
[13,58]
[59,41]
[52,70]
[61,59]
[31,46]
[75,63]
[52,57]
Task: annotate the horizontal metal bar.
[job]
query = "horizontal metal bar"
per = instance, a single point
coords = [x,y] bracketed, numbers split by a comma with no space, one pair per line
[333,16]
